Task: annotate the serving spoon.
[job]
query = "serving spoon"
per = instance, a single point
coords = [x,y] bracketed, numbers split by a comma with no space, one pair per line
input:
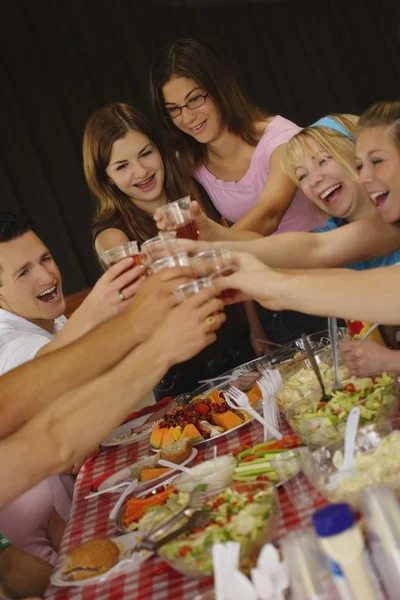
[310,355]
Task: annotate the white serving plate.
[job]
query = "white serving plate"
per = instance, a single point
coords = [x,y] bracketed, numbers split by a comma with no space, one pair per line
[128,562]
[126,429]
[125,474]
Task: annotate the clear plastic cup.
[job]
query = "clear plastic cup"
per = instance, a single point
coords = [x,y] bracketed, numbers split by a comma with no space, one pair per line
[179,217]
[175,260]
[158,247]
[114,255]
[192,287]
[289,467]
[309,574]
[216,262]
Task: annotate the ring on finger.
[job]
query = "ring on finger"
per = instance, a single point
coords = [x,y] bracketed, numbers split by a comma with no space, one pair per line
[121,295]
[211,321]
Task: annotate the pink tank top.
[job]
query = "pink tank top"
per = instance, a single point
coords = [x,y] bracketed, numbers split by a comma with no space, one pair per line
[24,520]
[233,199]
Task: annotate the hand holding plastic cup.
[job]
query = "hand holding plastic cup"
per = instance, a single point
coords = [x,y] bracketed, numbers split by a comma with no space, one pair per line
[178,216]
[114,255]
[186,290]
[158,247]
[175,260]
[215,262]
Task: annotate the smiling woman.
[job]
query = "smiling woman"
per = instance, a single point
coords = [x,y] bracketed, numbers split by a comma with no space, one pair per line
[321,160]
[231,146]
[130,173]
[378,157]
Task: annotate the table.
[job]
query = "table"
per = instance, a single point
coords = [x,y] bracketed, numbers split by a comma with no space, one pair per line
[155,580]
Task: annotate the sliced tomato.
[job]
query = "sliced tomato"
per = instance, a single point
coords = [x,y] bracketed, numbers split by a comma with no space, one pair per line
[184,550]
[350,387]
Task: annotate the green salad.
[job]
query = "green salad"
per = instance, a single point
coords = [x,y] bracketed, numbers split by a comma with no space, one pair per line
[300,385]
[320,423]
[239,515]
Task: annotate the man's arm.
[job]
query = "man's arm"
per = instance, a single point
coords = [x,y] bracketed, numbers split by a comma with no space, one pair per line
[30,387]
[22,574]
[70,427]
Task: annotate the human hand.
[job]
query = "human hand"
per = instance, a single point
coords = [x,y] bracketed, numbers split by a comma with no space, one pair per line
[204,225]
[201,315]
[105,299]
[252,280]
[154,300]
[366,358]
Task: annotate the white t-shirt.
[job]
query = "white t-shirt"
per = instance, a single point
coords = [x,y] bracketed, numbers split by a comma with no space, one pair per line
[21,340]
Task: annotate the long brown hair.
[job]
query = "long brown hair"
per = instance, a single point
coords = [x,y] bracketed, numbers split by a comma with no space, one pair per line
[197,60]
[382,114]
[114,208]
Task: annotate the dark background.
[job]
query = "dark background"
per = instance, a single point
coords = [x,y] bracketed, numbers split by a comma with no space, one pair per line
[60,59]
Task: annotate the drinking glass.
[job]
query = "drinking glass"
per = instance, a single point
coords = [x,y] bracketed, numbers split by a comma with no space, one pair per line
[289,466]
[179,217]
[175,260]
[114,255]
[158,247]
[215,262]
[192,287]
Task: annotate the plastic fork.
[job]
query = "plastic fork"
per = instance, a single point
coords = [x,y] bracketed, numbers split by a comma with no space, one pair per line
[121,499]
[270,382]
[108,490]
[233,395]
[171,465]
[347,467]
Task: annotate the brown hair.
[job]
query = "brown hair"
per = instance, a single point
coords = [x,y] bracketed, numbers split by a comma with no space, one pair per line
[114,208]
[339,146]
[382,114]
[194,59]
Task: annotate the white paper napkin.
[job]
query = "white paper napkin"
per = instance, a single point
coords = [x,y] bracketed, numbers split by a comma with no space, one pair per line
[269,579]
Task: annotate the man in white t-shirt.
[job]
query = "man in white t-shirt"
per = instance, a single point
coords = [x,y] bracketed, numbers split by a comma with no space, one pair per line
[32,301]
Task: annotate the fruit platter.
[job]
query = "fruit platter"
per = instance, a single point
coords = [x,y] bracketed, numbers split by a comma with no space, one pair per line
[205,417]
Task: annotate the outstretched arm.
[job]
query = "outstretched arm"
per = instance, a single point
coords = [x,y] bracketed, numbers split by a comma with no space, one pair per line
[71,426]
[360,240]
[370,295]
[30,387]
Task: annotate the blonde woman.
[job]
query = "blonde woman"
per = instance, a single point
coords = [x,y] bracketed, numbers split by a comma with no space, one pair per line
[320,160]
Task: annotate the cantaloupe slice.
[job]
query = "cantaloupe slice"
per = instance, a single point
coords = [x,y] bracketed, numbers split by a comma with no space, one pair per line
[156,437]
[191,432]
[177,433]
[168,437]
[151,473]
[227,420]
[215,396]
[254,394]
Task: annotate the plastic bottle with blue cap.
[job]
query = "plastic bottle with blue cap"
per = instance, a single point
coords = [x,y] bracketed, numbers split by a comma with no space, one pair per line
[341,541]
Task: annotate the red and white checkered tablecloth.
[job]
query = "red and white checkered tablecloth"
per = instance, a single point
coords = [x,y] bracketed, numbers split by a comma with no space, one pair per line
[155,580]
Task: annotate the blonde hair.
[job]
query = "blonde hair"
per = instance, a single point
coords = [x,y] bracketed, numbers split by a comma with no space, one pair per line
[339,146]
[382,114]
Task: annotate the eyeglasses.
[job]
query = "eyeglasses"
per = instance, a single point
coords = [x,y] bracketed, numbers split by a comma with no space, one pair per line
[191,104]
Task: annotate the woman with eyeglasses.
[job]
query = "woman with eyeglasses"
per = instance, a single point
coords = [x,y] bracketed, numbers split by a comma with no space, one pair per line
[230,145]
